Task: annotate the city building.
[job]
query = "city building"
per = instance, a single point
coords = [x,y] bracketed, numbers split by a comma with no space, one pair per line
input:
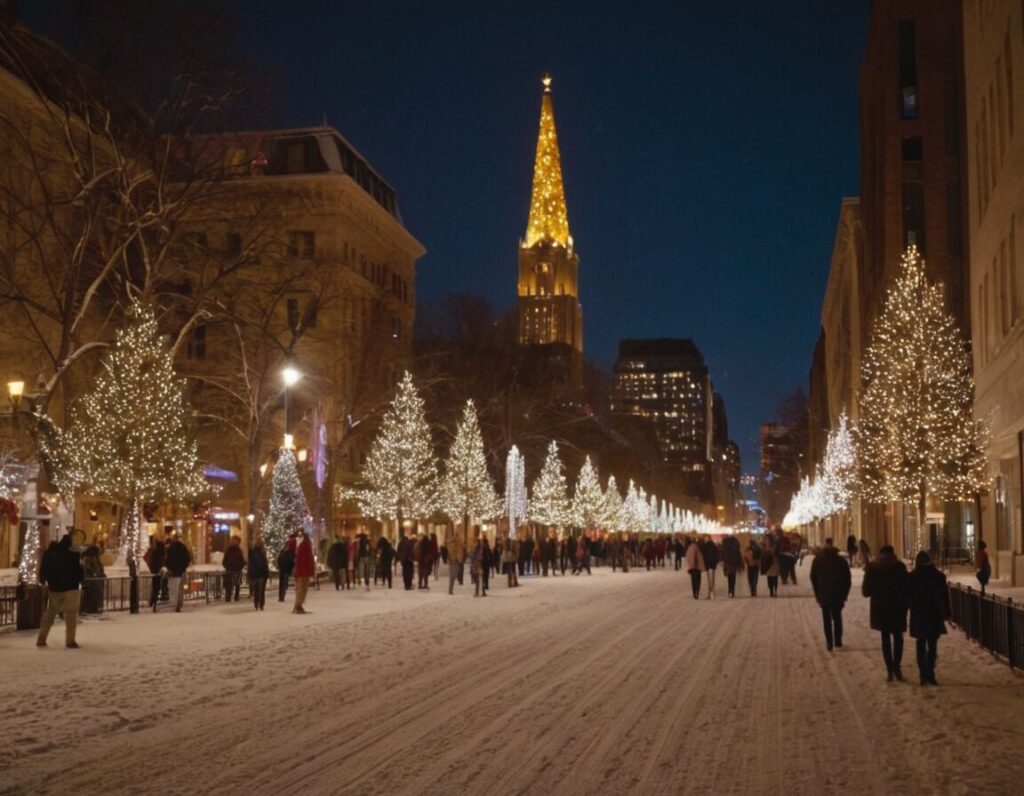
[993,39]
[549,315]
[330,292]
[665,382]
[783,464]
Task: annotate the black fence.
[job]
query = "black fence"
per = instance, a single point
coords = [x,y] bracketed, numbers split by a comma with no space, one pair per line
[996,623]
[100,595]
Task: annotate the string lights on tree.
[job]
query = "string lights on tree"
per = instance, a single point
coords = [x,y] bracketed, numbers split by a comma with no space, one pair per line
[289,510]
[516,502]
[588,499]
[28,562]
[467,490]
[917,436]
[549,504]
[611,507]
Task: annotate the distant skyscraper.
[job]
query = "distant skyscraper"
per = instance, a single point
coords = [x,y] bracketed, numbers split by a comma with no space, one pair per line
[665,383]
[550,319]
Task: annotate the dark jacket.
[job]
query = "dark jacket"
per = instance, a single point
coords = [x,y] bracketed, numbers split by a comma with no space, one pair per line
[286,558]
[178,558]
[156,556]
[258,565]
[885,582]
[711,555]
[929,602]
[234,561]
[830,577]
[337,555]
[385,552]
[732,556]
[61,568]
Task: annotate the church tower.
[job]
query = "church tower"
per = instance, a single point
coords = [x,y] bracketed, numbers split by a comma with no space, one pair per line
[550,319]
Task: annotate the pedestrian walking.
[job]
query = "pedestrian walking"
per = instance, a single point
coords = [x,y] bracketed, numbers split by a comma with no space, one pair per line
[155,557]
[233,563]
[695,566]
[405,557]
[929,610]
[481,556]
[350,571]
[259,573]
[851,548]
[456,556]
[830,578]
[982,565]
[711,558]
[337,561]
[385,559]
[422,554]
[178,561]
[649,554]
[93,576]
[509,558]
[285,565]
[885,583]
[770,567]
[752,560]
[864,551]
[783,549]
[732,562]
[364,558]
[61,572]
[582,555]
[305,568]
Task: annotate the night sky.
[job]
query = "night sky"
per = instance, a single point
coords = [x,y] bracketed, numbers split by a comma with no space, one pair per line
[705,145]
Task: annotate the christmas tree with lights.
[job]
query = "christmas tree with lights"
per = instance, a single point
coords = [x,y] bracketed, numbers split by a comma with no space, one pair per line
[611,507]
[129,438]
[588,499]
[516,503]
[549,505]
[467,490]
[917,437]
[288,508]
[400,471]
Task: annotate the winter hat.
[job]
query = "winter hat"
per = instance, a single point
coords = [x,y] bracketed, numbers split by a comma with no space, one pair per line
[923,559]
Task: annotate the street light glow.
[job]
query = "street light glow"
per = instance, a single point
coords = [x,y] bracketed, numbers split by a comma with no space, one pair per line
[15,389]
[290,374]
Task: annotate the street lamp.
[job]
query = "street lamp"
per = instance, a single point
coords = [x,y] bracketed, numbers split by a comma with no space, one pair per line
[15,389]
[289,375]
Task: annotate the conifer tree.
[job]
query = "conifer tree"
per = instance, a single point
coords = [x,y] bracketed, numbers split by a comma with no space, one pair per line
[549,505]
[400,471]
[516,502]
[588,499]
[917,437]
[288,508]
[129,439]
[467,490]
[611,507]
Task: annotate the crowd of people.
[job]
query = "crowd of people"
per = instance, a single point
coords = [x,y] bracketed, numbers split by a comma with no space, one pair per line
[355,560]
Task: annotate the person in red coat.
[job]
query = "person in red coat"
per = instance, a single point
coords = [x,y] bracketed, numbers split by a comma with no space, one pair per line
[305,568]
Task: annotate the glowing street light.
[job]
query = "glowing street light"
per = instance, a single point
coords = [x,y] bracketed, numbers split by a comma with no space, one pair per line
[289,375]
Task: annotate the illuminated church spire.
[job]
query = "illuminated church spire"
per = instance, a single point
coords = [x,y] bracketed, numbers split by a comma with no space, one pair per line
[548,220]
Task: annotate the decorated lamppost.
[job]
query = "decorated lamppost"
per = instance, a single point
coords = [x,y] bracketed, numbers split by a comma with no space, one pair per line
[290,375]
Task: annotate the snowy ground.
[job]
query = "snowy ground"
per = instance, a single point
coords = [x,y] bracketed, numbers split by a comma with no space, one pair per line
[605,684]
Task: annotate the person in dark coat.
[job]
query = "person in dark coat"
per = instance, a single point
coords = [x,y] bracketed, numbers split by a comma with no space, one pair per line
[984,568]
[155,558]
[259,573]
[178,560]
[93,576]
[712,556]
[851,548]
[830,577]
[337,560]
[385,558]
[406,552]
[885,583]
[233,563]
[732,562]
[929,609]
[61,571]
[285,566]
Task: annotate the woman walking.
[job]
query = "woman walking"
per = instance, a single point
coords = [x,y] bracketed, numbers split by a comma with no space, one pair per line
[259,573]
[711,559]
[885,583]
[982,563]
[752,559]
[770,568]
[732,562]
[929,610]
[695,566]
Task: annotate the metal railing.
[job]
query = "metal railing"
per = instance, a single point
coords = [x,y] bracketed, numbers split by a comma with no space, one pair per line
[996,623]
[114,594]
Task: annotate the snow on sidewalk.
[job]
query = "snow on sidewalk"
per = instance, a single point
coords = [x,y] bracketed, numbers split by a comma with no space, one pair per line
[605,684]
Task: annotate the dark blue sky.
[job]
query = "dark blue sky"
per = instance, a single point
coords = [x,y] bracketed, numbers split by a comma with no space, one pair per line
[705,147]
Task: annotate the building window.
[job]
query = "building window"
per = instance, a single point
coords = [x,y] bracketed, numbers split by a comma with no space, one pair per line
[913,214]
[908,69]
[293,314]
[301,244]
[196,347]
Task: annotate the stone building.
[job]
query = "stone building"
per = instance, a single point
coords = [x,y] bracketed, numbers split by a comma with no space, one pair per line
[549,315]
[993,37]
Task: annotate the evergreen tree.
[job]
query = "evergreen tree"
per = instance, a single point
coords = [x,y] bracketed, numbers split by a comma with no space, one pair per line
[549,505]
[467,490]
[588,499]
[917,437]
[129,438]
[288,508]
[611,507]
[516,503]
[400,471]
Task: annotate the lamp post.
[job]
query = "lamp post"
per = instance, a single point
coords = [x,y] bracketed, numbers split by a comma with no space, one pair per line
[15,389]
[290,376]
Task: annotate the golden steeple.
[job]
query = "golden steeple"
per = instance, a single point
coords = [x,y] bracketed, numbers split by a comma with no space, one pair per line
[548,220]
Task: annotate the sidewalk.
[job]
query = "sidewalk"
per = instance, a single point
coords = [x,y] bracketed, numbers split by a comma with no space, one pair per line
[1000,588]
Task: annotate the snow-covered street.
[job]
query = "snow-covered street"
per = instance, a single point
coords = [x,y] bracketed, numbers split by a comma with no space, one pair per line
[604,684]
